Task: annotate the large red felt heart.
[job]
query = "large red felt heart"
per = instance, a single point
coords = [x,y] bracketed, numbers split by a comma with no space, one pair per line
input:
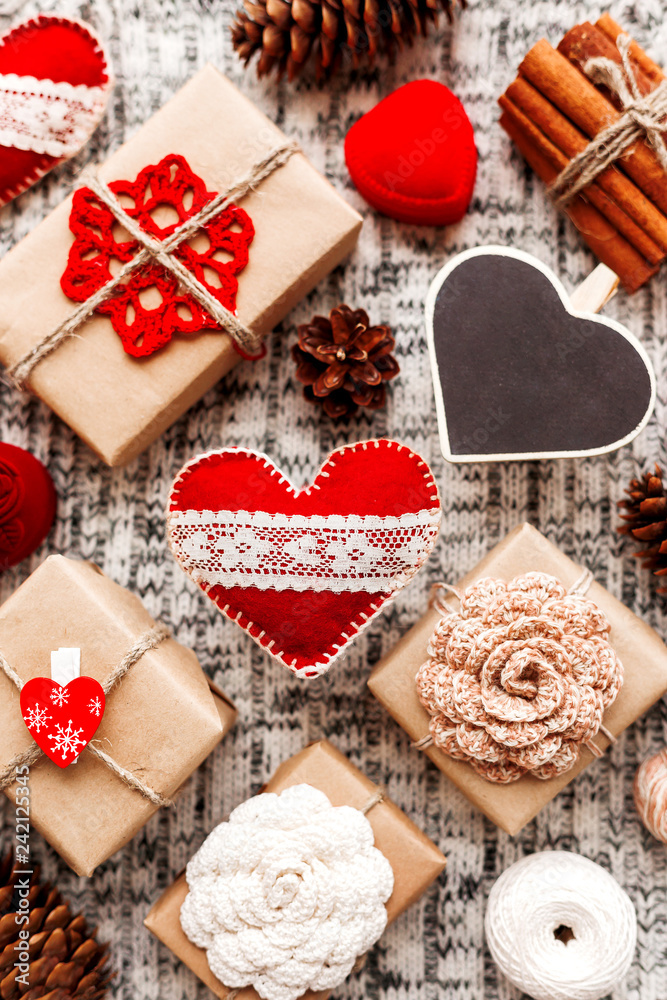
[303,572]
[54,86]
[62,719]
[413,155]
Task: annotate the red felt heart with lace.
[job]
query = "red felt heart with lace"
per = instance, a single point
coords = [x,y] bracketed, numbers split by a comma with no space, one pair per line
[149,307]
[303,572]
[54,86]
[62,719]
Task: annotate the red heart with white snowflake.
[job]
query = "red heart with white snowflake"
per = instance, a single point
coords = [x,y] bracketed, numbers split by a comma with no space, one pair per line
[54,87]
[62,718]
[303,572]
[215,257]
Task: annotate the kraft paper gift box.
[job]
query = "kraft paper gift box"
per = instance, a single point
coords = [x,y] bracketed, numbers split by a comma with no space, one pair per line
[415,859]
[303,229]
[161,720]
[639,648]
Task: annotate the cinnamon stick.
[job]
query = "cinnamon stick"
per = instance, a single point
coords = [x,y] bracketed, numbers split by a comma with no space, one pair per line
[570,141]
[604,240]
[586,41]
[594,193]
[559,81]
[612,30]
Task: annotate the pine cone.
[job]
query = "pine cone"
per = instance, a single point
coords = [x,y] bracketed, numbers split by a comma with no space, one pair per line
[646,520]
[65,959]
[287,32]
[344,362]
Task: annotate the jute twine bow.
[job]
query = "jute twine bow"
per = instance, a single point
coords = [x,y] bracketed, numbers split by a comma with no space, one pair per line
[30,756]
[643,118]
[376,798]
[161,252]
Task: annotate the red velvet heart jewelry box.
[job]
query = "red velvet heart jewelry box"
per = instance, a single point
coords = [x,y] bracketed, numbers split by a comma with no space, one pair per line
[413,157]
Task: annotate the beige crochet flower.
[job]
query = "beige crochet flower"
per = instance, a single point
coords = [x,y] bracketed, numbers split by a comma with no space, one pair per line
[519,677]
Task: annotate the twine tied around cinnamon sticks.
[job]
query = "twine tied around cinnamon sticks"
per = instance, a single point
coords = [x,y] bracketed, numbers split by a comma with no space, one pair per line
[552,111]
[30,756]
[161,252]
[643,117]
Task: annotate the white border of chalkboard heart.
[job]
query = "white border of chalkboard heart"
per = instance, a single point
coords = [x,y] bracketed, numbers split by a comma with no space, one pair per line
[502,251]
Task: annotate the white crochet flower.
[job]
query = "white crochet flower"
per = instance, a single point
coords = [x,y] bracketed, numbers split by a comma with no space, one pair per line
[287,894]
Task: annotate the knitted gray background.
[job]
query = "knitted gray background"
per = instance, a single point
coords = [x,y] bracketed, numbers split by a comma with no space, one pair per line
[115,518]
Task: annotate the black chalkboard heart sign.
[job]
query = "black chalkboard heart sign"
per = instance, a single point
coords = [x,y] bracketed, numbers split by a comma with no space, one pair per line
[519,374]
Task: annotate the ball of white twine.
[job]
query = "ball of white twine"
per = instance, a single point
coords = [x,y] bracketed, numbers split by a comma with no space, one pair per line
[560,927]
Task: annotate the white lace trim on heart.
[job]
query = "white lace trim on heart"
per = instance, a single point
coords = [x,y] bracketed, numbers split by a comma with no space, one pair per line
[293,552]
[49,118]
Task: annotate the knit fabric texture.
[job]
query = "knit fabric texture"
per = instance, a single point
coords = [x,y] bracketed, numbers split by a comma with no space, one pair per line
[115,518]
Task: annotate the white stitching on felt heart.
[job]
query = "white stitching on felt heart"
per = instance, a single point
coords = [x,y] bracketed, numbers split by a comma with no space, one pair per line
[354,628]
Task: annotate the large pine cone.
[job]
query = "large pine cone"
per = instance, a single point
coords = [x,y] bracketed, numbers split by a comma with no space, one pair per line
[344,362]
[286,33]
[646,520]
[65,960]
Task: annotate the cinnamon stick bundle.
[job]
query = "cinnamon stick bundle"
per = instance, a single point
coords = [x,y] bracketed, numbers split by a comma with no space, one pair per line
[552,111]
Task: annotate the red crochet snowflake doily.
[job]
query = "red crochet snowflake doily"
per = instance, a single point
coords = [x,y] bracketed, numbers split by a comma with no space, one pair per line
[96,255]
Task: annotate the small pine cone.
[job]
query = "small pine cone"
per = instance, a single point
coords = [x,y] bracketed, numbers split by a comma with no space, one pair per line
[286,33]
[646,520]
[344,362]
[65,959]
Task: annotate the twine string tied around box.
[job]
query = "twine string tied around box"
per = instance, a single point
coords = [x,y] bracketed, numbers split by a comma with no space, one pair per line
[643,118]
[439,593]
[149,640]
[375,799]
[161,252]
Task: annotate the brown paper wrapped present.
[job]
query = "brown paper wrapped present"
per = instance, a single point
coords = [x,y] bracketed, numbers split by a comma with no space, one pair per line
[120,404]
[415,860]
[161,720]
[639,648]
